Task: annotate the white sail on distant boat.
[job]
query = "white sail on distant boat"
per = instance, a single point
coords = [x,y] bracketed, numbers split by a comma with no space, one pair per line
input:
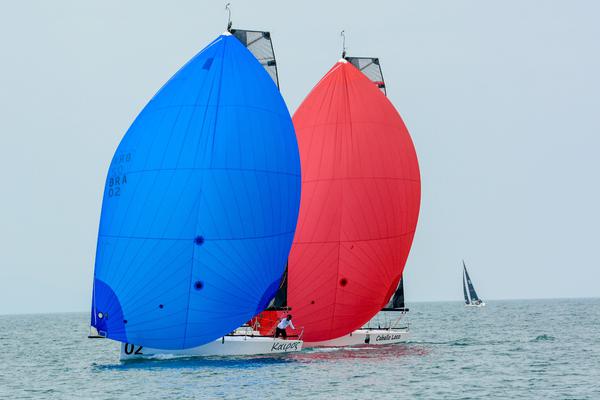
[471,298]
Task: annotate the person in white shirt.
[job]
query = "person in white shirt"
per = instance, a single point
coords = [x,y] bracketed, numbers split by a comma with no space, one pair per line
[284,323]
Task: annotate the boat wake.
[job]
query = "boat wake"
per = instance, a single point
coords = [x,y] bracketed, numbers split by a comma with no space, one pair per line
[359,352]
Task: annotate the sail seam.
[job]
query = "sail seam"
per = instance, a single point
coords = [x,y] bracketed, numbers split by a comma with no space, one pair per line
[265,171]
[212,239]
[359,240]
[205,106]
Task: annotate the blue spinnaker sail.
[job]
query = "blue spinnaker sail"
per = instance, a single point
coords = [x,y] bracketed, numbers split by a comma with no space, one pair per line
[200,206]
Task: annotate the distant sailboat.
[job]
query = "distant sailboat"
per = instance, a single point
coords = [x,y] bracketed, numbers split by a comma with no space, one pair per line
[471,298]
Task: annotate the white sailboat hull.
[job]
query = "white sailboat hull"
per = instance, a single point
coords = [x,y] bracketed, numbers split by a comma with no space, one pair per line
[482,304]
[365,336]
[234,345]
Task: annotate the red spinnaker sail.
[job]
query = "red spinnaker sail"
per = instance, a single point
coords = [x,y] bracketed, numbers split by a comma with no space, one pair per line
[359,206]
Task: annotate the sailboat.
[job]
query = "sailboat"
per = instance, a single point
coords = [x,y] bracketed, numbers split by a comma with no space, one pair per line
[199,211]
[359,204]
[471,298]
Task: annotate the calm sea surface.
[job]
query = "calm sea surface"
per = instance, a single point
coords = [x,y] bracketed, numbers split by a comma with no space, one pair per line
[509,349]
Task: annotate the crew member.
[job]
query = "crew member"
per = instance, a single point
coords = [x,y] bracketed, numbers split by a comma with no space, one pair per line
[284,323]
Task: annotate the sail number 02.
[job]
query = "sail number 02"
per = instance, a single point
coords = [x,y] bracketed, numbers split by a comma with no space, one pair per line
[130,349]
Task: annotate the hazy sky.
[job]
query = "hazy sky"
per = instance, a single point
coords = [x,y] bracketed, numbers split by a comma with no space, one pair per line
[501,99]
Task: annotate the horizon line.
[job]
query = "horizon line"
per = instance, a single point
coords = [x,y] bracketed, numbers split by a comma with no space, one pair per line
[408,302]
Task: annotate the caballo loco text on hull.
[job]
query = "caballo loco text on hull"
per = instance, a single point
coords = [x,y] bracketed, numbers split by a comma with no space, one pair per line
[199,210]
[365,337]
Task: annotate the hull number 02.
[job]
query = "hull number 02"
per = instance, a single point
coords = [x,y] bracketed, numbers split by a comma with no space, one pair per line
[132,349]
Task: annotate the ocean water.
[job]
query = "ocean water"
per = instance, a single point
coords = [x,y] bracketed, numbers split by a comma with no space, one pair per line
[542,349]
